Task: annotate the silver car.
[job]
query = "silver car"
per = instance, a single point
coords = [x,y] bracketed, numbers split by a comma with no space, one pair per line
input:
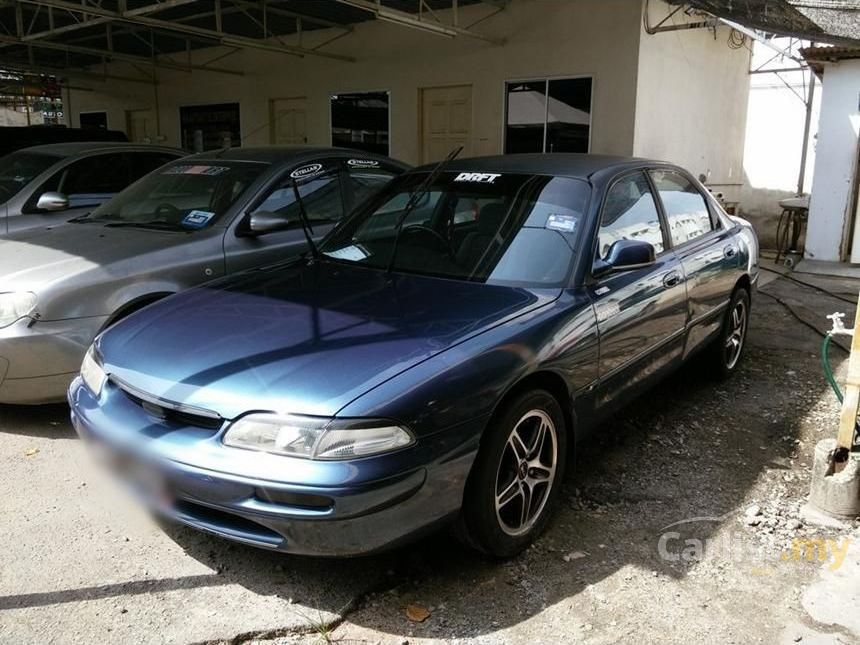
[46,185]
[191,221]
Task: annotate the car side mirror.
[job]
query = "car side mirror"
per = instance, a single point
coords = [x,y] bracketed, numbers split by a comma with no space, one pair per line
[625,255]
[263,222]
[52,201]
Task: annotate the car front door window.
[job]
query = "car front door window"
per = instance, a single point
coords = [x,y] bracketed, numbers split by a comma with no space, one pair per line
[630,213]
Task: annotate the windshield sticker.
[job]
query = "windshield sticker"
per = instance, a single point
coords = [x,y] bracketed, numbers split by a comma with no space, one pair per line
[197,219]
[563,223]
[362,163]
[480,177]
[354,253]
[195,170]
[306,171]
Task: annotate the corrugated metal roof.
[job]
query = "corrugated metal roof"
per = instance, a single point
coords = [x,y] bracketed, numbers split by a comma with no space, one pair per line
[831,21]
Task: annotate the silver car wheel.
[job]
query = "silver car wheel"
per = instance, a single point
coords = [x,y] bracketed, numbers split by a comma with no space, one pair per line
[737,335]
[526,473]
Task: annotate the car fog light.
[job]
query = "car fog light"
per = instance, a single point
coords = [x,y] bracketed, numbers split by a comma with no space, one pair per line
[315,438]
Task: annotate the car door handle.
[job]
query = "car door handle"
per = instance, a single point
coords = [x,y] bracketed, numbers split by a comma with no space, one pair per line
[730,251]
[671,279]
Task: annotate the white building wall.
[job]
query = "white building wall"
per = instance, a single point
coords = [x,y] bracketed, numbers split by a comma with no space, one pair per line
[831,202]
[544,38]
[691,101]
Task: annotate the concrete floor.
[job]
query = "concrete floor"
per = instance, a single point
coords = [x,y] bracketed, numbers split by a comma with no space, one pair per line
[80,563]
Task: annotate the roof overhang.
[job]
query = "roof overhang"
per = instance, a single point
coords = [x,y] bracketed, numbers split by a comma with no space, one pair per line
[826,21]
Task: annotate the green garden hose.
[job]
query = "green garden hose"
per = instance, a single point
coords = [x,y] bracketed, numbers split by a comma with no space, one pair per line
[825,363]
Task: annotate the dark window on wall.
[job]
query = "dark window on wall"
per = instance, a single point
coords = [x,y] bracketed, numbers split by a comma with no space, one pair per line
[209,127]
[93,120]
[359,120]
[548,115]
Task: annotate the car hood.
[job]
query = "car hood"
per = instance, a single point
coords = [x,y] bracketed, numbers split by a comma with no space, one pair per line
[303,338]
[34,258]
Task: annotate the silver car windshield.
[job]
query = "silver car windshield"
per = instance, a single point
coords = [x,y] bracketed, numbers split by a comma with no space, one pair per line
[19,169]
[180,196]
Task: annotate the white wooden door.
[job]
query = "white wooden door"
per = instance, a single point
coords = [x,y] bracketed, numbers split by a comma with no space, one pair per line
[288,121]
[446,121]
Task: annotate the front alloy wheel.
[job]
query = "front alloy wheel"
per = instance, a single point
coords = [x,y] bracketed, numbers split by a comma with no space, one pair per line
[517,475]
[526,472]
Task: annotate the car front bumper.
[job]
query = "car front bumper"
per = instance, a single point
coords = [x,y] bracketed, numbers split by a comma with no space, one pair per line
[270,501]
[39,359]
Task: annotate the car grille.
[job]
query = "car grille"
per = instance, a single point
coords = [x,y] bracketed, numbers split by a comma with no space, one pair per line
[168,410]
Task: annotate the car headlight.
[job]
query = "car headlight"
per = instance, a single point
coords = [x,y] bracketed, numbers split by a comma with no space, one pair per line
[15,305]
[92,373]
[316,438]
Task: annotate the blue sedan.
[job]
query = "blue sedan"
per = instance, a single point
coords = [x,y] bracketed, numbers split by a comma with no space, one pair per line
[435,360]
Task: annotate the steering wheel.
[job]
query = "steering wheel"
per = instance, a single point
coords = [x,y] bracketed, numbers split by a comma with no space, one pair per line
[166,212]
[438,238]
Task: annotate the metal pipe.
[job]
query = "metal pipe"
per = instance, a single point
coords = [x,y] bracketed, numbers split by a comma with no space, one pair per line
[807,126]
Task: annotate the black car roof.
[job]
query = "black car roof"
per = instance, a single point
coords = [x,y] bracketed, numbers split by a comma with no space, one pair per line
[565,164]
[283,154]
[72,148]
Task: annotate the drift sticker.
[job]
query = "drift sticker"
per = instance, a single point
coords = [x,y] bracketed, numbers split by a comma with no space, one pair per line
[306,171]
[197,219]
[563,223]
[362,163]
[480,177]
[195,170]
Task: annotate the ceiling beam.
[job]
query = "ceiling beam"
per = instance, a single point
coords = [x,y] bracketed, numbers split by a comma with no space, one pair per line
[115,55]
[83,24]
[221,37]
[405,19]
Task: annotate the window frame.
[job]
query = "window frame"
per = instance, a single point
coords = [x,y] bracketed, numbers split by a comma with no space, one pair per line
[667,246]
[241,228]
[546,80]
[29,206]
[716,222]
[331,95]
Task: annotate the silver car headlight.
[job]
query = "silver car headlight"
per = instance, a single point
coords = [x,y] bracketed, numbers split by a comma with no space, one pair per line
[316,438]
[92,374]
[15,305]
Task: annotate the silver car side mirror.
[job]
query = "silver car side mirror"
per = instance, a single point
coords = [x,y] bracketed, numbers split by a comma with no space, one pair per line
[52,201]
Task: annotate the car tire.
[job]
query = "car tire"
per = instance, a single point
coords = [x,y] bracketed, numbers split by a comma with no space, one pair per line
[726,353]
[513,473]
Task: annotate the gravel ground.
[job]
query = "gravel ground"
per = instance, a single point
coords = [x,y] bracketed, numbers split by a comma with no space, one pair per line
[715,473]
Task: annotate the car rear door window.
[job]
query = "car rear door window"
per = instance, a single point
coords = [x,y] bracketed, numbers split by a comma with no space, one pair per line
[321,197]
[630,213]
[97,175]
[686,211]
[365,182]
[143,163]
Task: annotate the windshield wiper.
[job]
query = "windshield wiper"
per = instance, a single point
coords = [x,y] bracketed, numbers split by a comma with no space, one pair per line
[306,224]
[415,197]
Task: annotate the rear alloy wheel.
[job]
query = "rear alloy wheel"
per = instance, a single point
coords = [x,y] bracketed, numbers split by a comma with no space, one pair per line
[727,351]
[517,475]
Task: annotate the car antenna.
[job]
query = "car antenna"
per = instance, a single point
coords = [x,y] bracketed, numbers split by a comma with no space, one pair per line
[306,224]
[416,195]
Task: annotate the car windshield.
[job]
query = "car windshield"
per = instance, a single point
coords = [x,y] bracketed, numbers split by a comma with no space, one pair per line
[179,196]
[514,229]
[19,169]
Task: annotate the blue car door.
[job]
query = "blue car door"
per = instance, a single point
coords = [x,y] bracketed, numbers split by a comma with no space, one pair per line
[641,313]
[707,251]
